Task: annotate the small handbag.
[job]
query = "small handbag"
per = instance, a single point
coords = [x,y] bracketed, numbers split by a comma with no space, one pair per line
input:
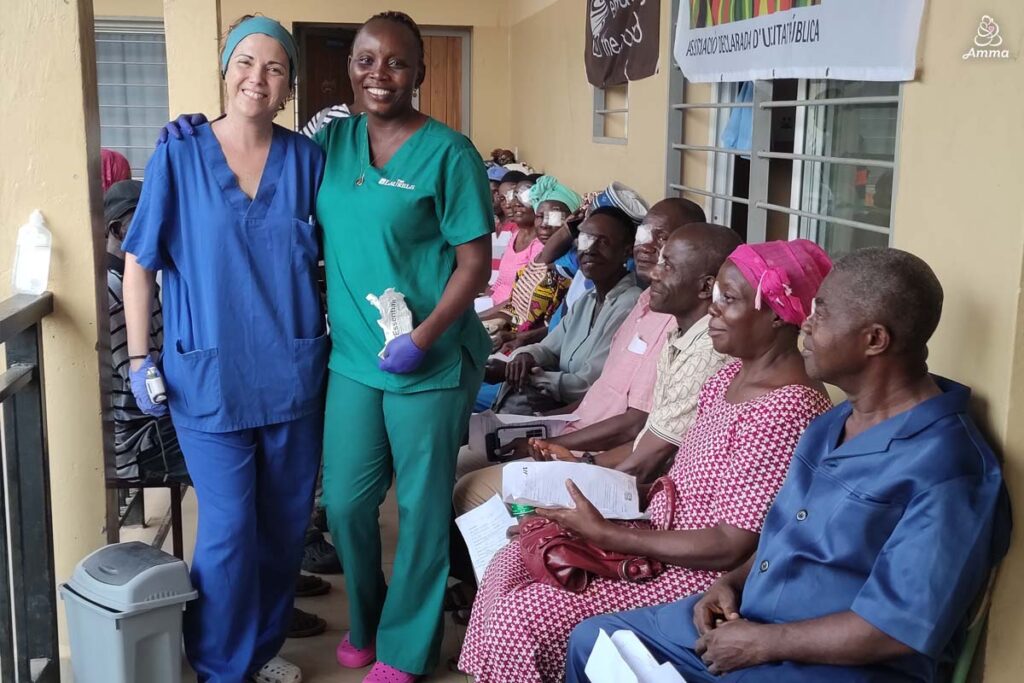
[558,557]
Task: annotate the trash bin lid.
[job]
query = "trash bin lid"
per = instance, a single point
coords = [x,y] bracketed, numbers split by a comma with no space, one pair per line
[131,577]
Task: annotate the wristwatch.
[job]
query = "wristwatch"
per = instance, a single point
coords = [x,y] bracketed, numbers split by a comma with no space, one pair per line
[588,458]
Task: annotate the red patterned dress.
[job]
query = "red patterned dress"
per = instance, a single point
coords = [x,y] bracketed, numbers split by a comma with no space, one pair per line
[730,466]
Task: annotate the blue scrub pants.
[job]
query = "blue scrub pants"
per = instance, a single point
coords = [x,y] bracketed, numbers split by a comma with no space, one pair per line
[664,629]
[255,493]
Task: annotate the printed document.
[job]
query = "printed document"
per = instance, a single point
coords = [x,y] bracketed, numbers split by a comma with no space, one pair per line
[484,529]
[542,484]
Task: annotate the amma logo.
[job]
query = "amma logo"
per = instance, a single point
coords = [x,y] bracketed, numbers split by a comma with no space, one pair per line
[987,42]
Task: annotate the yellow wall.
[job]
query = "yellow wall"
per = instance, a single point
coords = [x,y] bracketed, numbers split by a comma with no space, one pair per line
[193,89]
[50,161]
[958,206]
[489,104]
[552,106]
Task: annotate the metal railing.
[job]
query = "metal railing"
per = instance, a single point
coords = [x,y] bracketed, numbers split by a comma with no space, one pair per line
[28,596]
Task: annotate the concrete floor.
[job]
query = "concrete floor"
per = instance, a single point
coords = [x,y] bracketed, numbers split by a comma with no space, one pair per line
[315,656]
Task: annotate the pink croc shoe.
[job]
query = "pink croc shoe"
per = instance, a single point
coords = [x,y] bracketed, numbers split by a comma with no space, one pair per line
[382,673]
[352,657]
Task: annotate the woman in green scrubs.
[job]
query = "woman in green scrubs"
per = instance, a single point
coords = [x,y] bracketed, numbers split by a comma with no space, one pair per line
[404,204]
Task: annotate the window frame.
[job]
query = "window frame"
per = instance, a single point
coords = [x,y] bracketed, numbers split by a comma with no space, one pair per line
[601,112]
[140,26]
[717,191]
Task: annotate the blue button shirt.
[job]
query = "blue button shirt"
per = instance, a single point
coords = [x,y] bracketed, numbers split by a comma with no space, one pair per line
[901,524]
[243,327]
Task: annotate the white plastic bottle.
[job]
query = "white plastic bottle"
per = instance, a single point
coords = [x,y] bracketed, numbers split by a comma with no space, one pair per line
[32,257]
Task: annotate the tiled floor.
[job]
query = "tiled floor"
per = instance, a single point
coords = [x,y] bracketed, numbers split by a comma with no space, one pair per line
[315,656]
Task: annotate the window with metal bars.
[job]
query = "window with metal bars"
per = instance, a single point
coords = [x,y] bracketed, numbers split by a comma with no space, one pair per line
[611,114]
[131,69]
[815,158]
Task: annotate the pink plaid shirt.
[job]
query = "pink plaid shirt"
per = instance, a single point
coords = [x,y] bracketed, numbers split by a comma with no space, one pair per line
[627,380]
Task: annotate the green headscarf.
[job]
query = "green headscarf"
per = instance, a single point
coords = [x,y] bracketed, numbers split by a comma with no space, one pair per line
[547,188]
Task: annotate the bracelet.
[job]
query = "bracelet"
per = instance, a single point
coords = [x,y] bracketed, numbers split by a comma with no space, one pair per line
[145,355]
[588,458]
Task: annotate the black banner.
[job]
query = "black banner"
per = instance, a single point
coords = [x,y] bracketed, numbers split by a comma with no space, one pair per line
[623,40]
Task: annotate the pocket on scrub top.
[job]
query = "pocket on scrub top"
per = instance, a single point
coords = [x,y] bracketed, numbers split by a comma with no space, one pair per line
[196,384]
[305,246]
[310,356]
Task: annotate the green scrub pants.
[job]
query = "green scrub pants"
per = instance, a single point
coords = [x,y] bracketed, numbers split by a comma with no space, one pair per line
[369,435]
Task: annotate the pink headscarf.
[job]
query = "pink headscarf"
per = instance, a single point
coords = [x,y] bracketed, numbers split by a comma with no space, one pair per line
[785,274]
[115,167]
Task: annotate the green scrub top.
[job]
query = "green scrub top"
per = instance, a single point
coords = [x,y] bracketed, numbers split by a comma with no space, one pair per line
[399,228]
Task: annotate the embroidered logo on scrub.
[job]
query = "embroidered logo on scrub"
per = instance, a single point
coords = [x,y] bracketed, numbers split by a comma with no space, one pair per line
[399,183]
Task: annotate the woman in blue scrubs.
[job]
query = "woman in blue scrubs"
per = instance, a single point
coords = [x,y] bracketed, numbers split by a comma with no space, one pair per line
[227,216]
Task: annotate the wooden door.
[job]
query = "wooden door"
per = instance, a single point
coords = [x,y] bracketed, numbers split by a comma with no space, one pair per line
[441,92]
[324,81]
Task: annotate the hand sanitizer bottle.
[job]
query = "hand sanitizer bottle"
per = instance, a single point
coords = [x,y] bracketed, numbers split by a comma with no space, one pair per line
[32,257]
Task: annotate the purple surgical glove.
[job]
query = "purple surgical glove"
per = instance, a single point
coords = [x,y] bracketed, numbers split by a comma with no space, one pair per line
[138,379]
[401,356]
[183,124]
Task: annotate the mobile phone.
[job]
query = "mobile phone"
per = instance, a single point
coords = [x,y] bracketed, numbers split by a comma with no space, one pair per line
[498,440]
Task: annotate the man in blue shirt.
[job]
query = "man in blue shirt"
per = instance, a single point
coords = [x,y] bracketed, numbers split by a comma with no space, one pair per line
[891,518]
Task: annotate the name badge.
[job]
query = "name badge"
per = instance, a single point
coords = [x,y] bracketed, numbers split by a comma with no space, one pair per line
[638,346]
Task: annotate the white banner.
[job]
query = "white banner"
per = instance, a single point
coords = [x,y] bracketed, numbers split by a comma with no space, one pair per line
[744,40]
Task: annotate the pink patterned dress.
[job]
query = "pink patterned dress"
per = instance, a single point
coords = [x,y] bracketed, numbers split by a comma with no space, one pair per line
[730,466]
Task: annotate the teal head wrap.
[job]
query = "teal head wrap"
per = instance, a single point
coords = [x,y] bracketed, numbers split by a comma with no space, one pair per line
[547,188]
[267,27]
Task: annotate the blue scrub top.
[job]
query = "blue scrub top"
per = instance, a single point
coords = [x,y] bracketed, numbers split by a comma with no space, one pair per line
[900,524]
[245,344]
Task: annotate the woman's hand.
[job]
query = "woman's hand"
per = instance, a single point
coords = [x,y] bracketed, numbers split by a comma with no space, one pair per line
[516,342]
[185,123]
[141,393]
[584,519]
[517,372]
[401,356]
[545,450]
[501,339]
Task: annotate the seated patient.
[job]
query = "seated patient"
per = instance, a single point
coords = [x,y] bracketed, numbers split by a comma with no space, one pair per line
[146,448]
[891,518]
[559,370]
[616,406]
[681,289]
[730,466]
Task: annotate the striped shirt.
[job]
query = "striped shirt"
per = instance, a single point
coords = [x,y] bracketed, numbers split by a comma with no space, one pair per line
[139,439]
[325,116]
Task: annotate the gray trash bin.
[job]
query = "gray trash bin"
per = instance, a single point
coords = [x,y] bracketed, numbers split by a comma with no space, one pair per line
[124,605]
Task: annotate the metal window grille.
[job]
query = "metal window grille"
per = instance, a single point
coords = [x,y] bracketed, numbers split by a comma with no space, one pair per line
[131,66]
[611,114]
[821,164]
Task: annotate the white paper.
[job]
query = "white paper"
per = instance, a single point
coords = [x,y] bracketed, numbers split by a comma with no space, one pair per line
[484,530]
[542,484]
[482,424]
[503,357]
[638,346]
[395,316]
[484,303]
[622,658]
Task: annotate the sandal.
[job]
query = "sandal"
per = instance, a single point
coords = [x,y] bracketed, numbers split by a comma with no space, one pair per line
[459,596]
[352,657]
[320,557]
[305,625]
[384,673]
[309,586]
[278,670]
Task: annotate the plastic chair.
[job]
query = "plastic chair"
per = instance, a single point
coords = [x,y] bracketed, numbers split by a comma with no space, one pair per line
[975,628]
